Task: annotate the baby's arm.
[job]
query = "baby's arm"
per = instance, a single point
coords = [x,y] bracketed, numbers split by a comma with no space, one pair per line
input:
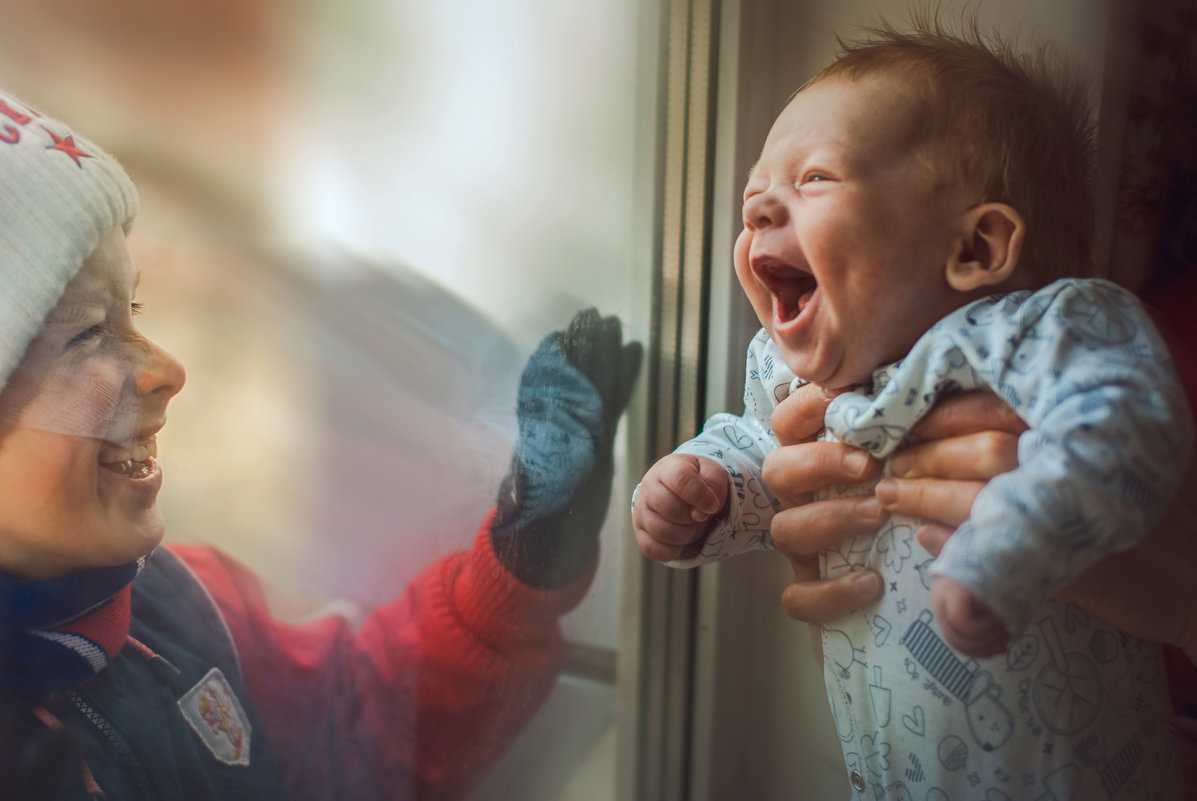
[1110,438]
[728,455]
[677,504]
[1082,365]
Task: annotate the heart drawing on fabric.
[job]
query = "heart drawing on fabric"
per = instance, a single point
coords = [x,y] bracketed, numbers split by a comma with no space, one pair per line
[918,723]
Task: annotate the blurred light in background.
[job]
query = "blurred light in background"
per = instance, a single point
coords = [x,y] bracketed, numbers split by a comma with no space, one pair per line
[488,145]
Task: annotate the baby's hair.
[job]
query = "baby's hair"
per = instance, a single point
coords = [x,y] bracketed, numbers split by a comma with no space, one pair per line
[1014,126]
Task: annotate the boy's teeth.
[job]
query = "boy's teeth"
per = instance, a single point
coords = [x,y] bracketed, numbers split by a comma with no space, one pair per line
[138,453]
[133,469]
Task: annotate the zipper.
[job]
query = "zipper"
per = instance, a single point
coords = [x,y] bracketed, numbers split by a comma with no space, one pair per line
[141,778]
[51,722]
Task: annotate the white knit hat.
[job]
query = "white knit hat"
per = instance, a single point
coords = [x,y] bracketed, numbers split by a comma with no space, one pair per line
[59,195]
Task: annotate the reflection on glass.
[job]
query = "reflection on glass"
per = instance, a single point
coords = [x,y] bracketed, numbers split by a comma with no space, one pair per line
[358,223]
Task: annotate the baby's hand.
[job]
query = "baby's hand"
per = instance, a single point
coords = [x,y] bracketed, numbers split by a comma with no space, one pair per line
[677,500]
[968,624]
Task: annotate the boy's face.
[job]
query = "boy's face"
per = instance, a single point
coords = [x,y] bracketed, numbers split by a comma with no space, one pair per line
[78,478]
[846,237]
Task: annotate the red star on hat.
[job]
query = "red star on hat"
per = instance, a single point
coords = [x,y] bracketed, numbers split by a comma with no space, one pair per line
[66,145]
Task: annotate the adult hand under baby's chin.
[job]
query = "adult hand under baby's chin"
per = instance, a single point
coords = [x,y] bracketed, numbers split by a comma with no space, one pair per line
[967,622]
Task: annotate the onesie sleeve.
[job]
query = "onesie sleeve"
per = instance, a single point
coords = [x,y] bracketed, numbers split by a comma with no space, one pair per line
[418,700]
[739,444]
[1110,437]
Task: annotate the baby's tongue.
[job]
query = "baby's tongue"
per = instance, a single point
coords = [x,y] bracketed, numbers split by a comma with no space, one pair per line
[792,299]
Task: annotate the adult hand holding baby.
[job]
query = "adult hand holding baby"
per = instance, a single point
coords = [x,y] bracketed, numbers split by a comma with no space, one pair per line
[793,472]
[972,438]
[1147,591]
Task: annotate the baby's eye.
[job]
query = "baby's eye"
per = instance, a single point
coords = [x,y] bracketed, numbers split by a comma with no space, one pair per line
[814,177]
[135,307]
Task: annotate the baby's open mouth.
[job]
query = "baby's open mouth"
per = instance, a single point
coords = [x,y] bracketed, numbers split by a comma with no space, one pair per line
[132,462]
[792,288]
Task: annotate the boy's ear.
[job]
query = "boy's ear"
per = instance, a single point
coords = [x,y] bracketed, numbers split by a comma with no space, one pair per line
[988,249]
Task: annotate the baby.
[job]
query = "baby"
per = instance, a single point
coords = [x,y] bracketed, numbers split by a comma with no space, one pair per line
[907,233]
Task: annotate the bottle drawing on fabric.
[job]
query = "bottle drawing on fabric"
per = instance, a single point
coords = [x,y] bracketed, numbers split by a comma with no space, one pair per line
[989,722]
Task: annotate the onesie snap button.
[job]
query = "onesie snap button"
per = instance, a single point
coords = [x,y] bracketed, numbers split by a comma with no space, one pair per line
[857,781]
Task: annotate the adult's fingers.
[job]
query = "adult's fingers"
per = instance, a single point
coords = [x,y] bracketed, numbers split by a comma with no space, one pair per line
[969,413]
[933,537]
[803,531]
[792,472]
[799,417]
[977,456]
[820,601]
[941,500]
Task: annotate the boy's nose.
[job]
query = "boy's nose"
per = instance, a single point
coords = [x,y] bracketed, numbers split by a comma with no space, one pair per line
[162,376]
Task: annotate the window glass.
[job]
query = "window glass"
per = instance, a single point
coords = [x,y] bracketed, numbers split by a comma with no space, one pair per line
[358,220]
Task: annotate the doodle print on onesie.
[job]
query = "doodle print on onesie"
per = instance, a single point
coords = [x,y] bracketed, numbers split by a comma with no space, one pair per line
[918,721]
[1056,718]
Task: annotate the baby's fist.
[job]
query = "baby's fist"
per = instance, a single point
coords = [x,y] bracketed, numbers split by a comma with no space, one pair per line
[968,624]
[676,503]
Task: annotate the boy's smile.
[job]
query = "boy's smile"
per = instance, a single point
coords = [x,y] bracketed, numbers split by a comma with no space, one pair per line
[846,234]
[79,480]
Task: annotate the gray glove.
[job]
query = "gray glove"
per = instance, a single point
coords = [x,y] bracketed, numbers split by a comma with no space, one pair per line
[552,502]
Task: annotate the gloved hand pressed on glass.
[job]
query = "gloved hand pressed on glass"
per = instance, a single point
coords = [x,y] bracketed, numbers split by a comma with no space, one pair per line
[552,502]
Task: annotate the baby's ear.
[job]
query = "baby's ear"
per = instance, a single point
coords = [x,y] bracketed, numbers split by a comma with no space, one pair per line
[988,249]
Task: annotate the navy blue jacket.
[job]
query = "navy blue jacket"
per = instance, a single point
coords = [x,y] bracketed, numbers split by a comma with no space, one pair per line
[136,738]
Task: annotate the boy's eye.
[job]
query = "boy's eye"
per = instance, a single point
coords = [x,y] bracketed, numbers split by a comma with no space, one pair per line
[85,336]
[136,307]
[815,177]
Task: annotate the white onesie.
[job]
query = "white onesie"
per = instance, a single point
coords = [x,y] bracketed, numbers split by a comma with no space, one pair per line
[1076,709]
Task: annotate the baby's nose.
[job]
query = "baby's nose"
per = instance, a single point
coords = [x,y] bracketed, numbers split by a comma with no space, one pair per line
[763,210]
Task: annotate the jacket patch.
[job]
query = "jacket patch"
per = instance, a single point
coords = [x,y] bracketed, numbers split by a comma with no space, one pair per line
[217,717]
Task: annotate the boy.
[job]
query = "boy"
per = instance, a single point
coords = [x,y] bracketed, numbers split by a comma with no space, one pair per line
[129,670]
[900,189]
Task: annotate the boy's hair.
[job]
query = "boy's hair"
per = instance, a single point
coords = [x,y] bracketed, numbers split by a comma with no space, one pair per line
[1016,127]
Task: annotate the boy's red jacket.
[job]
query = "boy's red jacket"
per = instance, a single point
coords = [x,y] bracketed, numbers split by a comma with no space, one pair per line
[415,702]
